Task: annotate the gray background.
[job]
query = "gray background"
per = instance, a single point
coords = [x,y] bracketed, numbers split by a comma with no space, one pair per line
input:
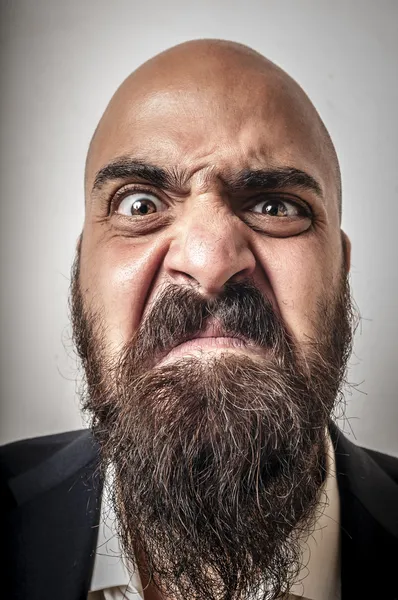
[61,62]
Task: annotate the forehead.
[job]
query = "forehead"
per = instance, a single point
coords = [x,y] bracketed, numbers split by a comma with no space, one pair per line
[226,124]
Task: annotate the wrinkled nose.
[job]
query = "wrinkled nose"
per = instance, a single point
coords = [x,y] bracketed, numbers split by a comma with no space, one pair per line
[210,249]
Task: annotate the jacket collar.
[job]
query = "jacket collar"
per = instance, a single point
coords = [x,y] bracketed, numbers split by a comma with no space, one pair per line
[369,524]
[53,530]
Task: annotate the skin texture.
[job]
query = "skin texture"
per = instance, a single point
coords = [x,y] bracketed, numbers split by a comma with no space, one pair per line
[208,109]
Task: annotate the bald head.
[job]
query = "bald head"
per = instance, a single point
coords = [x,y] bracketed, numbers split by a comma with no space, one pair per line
[210,81]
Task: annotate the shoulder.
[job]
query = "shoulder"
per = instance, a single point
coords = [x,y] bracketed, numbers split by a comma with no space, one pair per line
[50,491]
[359,462]
[22,455]
[388,463]
[33,466]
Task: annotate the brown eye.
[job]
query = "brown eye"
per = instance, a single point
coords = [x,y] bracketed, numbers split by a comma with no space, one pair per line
[140,204]
[278,208]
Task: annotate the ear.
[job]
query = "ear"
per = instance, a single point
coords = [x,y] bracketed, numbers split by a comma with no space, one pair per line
[79,243]
[345,240]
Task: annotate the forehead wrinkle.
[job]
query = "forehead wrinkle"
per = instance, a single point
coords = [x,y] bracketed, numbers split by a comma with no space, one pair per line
[205,177]
[209,152]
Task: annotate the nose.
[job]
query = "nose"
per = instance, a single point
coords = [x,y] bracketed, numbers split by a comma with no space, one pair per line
[210,249]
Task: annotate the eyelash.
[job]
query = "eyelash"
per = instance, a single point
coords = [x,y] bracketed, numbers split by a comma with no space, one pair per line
[301,205]
[121,194]
[124,192]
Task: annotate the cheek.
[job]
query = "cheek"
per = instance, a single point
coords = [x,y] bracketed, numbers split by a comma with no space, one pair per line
[116,279]
[302,273]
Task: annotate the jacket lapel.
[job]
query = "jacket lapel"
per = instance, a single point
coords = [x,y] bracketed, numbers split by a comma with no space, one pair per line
[53,530]
[369,526]
[51,534]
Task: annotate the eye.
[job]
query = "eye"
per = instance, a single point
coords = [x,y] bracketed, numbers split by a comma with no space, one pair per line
[276,207]
[140,204]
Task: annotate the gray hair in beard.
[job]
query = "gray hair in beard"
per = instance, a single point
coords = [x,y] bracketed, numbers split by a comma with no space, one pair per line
[219,461]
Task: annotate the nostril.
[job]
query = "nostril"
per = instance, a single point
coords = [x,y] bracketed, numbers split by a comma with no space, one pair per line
[182,277]
[244,274]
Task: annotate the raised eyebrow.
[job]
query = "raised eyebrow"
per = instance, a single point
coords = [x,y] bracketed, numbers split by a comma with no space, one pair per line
[126,168]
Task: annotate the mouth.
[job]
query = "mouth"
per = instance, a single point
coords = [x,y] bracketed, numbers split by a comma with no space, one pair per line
[212,339]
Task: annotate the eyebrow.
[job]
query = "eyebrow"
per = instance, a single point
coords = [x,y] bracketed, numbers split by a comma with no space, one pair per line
[274,179]
[125,168]
[174,179]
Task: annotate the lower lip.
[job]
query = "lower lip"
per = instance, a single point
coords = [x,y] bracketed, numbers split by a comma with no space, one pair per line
[199,345]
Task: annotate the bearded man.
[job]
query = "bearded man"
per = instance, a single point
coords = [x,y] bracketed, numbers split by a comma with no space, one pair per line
[212,313]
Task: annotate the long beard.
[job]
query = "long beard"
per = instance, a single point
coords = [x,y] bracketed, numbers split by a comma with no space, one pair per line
[218,461]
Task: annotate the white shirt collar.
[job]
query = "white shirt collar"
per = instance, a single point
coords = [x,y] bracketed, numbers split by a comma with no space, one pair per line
[319,578]
[110,566]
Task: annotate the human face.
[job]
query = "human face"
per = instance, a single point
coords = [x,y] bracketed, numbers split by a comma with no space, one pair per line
[209,224]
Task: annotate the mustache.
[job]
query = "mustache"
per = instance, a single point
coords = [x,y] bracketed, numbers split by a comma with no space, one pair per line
[179,314]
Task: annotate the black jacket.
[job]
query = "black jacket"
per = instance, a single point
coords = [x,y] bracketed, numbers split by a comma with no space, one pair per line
[51,493]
